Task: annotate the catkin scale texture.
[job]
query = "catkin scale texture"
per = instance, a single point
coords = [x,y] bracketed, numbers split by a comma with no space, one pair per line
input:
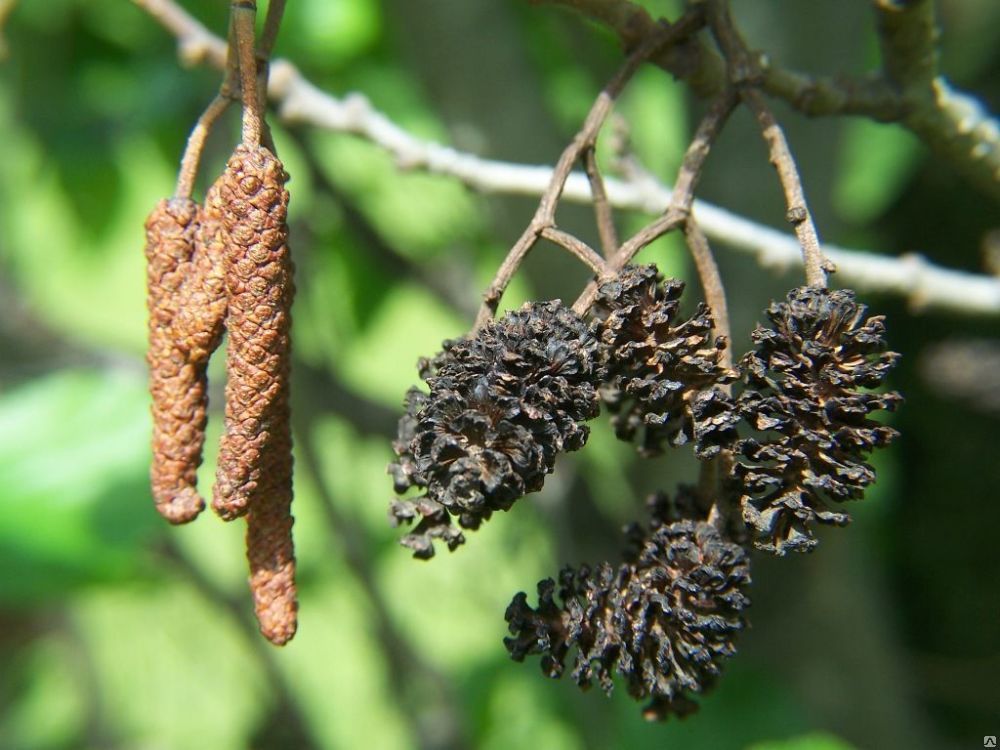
[177,389]
[255,455]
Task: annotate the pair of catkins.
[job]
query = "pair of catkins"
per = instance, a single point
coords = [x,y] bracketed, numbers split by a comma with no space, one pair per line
[225,266]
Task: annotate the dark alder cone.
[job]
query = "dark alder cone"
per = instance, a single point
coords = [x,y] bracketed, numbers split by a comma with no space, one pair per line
[804,393]
[664,621]
[502,405]
[658,364]
[255,455]
[176,385]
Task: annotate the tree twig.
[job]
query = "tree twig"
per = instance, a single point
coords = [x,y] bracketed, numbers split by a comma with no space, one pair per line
[744,73]
[584,140]
[954,125]
[244,14]
[925,285]
[188,171]
[678,207]
[712,286]
[798,214]
[272,23]
[577,247]
[602,209]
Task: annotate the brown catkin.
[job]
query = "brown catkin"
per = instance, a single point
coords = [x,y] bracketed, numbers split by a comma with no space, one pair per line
[255,455]
[178,396]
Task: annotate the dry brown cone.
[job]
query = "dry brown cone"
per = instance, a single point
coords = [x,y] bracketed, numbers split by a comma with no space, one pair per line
[178,396]
[255,455]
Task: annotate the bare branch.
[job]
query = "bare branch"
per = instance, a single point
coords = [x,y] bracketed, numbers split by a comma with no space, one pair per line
[244,14]
[744,72]
[196,143]
[907,36]
[577,247]
[679,206]
[272,22]
[583,142]
[602,209]
[788,174]
[926,285]
[711,284]
[195,43]
[954,125]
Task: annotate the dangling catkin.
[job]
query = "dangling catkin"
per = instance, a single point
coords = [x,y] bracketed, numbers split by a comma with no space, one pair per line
[255,455]
[178,404]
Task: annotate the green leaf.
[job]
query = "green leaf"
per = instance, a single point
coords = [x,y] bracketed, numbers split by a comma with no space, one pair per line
[173,670]
[48,708]
[76,505]
[876,161]
[411,323]
[814,741]
[417,214]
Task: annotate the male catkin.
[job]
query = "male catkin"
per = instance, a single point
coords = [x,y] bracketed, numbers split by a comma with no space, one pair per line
[255,455]
[178,404]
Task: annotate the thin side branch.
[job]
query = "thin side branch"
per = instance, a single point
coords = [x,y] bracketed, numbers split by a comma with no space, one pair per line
[795,199]
[697,151]
[602,209]
[925,285]
[907,35]
[244,14]
[583,142]
[953,124]
[744,73]
[196,145]
[578,248]
[678,207]
[712,286]
[272,23]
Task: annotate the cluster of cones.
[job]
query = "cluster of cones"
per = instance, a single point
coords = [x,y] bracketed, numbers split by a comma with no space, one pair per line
[225,266]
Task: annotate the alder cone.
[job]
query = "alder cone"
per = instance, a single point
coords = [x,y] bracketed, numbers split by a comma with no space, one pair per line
[178,393]
[255,456]
[665,620]
[807,381]
[502,405]
[201,303]
[662,369]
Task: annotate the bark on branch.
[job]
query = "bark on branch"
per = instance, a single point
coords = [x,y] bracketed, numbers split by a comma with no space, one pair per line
[953,125]
[924,284]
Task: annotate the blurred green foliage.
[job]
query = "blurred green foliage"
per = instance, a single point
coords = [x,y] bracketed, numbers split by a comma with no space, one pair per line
[120,632]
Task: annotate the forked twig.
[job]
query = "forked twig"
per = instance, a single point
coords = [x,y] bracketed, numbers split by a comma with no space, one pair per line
[926,286]
[544,217]
[679,207]
[228,90]
[188,172]
[745,74]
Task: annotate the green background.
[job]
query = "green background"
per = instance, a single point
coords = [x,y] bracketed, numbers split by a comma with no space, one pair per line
[118,631]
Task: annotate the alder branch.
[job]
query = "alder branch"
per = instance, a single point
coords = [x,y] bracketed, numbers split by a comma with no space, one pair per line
[953,125]
[925,285]
[744,72]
